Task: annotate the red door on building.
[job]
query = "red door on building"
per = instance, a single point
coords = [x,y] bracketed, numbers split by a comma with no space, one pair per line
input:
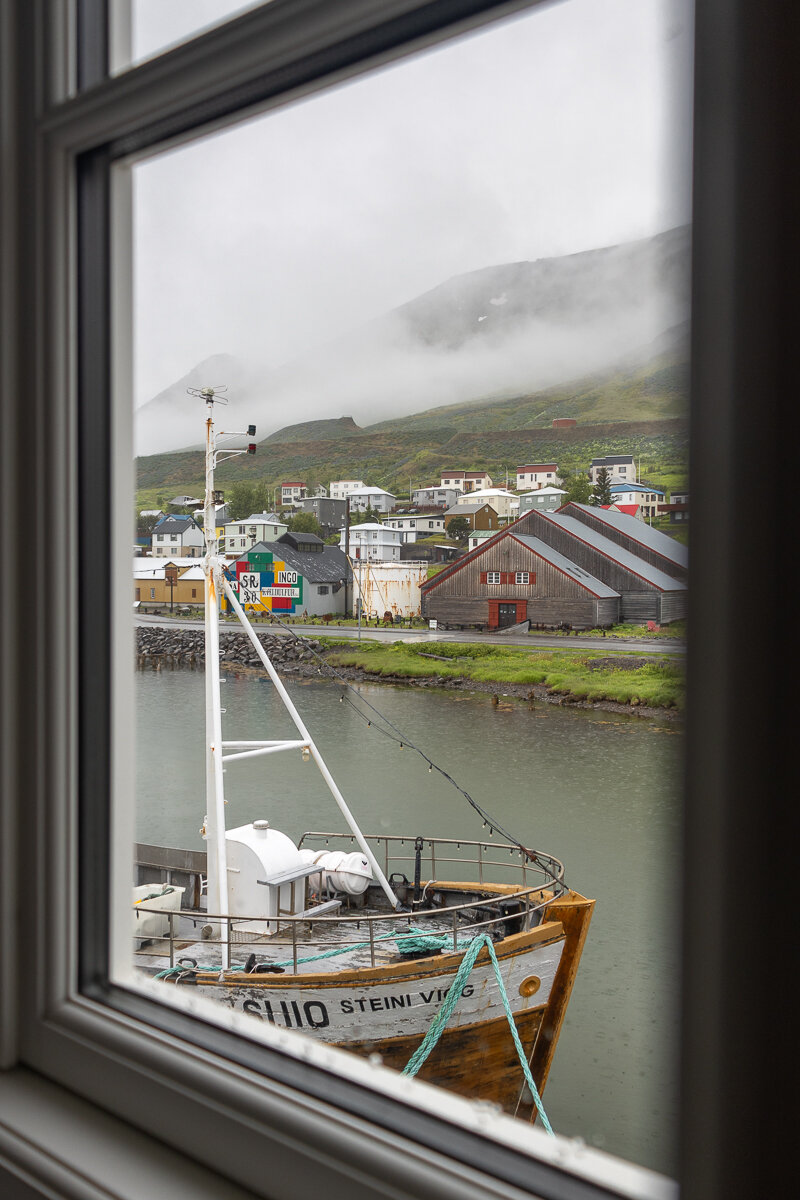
[506,615]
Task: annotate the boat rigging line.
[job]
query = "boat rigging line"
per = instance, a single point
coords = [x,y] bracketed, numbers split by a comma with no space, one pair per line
[396,735]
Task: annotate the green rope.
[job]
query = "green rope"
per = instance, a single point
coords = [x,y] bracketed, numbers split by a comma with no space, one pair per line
[448,1005]
[154,895]
[416,944]
[434,943]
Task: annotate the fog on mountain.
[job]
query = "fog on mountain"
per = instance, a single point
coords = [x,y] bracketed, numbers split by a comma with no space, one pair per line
[504,330]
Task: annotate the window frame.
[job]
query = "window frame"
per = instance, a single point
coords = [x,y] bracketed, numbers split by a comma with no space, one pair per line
[744,311]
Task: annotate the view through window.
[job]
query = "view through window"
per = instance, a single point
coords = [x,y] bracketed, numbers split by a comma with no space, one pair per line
[452,299]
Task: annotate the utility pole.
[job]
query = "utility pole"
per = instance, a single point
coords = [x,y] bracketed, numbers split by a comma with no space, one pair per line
[360,599]
[346,549]
[171,573]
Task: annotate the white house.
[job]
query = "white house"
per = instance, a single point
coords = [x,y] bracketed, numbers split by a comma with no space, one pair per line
[185,501]
[537,475]
[292,491]
[373,541]
[504,503]
[413,527]
[620,468]
[372,497]
[340,489]
[465,481]
[648,498]
[177,536]
[546,499]
[442,497]
[240,536]
[478,536]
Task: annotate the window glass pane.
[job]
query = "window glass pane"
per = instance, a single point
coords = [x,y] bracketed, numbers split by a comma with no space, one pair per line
[449,258]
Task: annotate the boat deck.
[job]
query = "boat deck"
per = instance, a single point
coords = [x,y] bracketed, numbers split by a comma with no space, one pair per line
[327,945]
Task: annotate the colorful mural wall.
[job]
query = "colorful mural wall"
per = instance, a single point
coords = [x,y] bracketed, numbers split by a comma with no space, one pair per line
[264,583]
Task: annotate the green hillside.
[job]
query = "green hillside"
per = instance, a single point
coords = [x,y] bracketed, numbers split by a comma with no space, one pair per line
[497,434]
[395,461]
[653,391]
[315,431]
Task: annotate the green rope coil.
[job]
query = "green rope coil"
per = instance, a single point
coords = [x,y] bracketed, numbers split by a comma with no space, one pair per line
[448,1005]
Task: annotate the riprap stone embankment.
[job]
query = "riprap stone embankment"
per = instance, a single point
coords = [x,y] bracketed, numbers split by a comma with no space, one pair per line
[158,647]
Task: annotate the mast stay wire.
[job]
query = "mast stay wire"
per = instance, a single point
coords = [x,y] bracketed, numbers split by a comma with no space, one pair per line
[396,735]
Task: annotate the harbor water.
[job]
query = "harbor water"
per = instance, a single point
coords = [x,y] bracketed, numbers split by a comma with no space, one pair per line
[600,791]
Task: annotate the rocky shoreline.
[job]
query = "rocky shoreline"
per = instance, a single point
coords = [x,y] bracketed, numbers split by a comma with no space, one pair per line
[158,649]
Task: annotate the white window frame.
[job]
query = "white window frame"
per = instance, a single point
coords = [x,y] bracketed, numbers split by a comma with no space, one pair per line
[522,577]
[153,1099]
[494,577]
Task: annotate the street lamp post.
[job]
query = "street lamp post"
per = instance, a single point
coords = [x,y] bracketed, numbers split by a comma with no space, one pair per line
[171,575]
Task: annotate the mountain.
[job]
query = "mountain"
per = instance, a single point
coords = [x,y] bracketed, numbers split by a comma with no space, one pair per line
[314,431]
[495,434]
[493,334]
[174,418]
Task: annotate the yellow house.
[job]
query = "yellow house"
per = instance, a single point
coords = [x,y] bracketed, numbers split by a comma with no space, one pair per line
[151,584]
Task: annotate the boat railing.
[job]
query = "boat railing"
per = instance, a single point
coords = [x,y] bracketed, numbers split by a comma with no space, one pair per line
[308,937]
[440,852]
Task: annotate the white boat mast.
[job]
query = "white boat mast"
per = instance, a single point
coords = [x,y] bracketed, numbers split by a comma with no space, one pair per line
[215,584]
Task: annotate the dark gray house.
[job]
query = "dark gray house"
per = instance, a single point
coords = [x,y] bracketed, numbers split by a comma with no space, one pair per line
[329,513]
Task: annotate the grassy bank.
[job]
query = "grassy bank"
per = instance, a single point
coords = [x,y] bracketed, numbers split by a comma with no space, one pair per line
[591,676]
[677,629]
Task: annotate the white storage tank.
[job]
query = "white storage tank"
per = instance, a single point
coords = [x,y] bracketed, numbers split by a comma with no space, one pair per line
[266,875]
[339,871]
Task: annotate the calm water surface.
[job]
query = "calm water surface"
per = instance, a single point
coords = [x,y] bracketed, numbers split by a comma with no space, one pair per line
[598,791]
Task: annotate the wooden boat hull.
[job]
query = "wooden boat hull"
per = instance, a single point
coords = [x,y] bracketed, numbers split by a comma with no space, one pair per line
[387,1010]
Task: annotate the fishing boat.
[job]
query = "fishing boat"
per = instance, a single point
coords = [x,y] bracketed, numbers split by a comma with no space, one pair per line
[453,959]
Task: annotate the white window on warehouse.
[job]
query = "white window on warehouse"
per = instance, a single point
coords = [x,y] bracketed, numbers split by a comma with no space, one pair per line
[187,169]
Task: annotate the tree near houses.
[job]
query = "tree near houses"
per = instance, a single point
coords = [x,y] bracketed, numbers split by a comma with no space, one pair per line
[145,524]
[368,516]
[578,487]
[459,530]
[602,489]
[305,522]
[244,498]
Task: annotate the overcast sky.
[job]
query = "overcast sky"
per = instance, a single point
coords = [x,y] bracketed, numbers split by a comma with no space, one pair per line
[560,130]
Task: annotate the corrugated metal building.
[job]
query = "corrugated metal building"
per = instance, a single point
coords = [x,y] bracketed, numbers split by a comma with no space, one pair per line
[647,593]
[641,539]
[515,577]
[555,569]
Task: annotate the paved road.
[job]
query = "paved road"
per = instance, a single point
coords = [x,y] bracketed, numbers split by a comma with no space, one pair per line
[373,633]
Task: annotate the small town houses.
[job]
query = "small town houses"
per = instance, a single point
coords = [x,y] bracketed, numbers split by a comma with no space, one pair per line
[239,536]
[297,575]
[415,526]
[177,536]
[478,515]
[537,475]
[531,557]
[166,584]
[465,481]
[372,541]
